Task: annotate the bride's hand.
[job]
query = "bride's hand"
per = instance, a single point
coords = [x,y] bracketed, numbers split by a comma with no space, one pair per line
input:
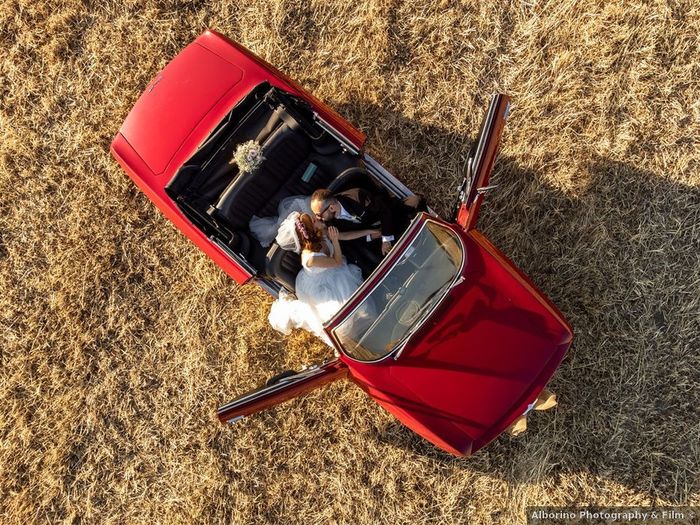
[333,233]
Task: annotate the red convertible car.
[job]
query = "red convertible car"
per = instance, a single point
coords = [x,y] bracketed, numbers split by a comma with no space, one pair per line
[460,341]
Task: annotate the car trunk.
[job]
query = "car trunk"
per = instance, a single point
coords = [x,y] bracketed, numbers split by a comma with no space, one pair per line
[175,101]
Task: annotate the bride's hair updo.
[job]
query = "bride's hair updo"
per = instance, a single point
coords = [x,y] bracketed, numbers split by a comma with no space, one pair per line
[309,238]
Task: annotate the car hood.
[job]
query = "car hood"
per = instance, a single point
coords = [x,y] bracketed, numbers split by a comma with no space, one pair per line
[175,102]
[482,356]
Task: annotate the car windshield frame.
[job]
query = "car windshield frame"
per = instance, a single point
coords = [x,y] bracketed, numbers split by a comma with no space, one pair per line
[384,270]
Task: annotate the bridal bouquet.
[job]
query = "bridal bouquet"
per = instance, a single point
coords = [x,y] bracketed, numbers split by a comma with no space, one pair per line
[248,156]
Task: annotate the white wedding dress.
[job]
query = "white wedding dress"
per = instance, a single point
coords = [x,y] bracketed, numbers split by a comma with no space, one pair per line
[321,292]
[264,229]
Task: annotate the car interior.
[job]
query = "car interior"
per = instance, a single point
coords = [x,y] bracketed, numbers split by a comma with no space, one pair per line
[299,155]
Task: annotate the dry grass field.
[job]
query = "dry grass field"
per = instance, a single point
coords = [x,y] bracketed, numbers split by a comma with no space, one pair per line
[119,338]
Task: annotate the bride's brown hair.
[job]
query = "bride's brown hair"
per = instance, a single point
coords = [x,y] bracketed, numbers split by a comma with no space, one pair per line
[309,238]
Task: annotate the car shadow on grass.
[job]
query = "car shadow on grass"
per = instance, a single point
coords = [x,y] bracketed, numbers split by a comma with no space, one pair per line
[617,253]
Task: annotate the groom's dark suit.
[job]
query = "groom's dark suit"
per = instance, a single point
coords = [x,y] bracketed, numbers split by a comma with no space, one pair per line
[374,210]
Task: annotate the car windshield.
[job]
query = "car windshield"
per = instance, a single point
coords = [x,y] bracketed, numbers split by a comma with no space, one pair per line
[403,299]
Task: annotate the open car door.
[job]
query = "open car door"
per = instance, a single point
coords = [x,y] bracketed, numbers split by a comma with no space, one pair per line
[280,388]
[480,162]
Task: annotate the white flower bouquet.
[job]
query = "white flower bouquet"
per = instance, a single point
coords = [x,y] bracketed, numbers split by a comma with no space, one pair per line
[248,156]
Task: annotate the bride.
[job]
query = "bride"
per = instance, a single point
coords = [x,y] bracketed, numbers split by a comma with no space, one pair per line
[325,282]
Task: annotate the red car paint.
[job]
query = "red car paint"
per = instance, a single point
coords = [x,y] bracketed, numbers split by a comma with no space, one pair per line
[199,88]
[480,358]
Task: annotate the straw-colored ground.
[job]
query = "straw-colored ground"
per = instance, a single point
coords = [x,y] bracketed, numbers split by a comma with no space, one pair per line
[119,338]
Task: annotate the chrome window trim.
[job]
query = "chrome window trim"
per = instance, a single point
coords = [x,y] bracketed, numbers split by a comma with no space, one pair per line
[270,389]
[234,256]
[335,133]
[404,342]
[391,183]
[270,286]
[394,185]
[363,286]
[481,144]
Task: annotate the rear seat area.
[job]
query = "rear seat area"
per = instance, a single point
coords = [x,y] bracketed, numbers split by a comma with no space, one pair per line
[293,165]
[282,266]
[285,151]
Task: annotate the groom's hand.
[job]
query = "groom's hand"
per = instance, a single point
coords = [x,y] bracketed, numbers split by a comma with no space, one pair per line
[386,246]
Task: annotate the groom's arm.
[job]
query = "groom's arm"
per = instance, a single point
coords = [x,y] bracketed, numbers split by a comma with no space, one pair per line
[388,222]
[356,234]
[349,231]
[385,212]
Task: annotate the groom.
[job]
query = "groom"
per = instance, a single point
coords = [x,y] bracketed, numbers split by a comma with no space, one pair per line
[357,208]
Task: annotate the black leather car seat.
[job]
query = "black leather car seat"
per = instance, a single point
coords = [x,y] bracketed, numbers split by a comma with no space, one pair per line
[257,193]
[283,266]
[355,177]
